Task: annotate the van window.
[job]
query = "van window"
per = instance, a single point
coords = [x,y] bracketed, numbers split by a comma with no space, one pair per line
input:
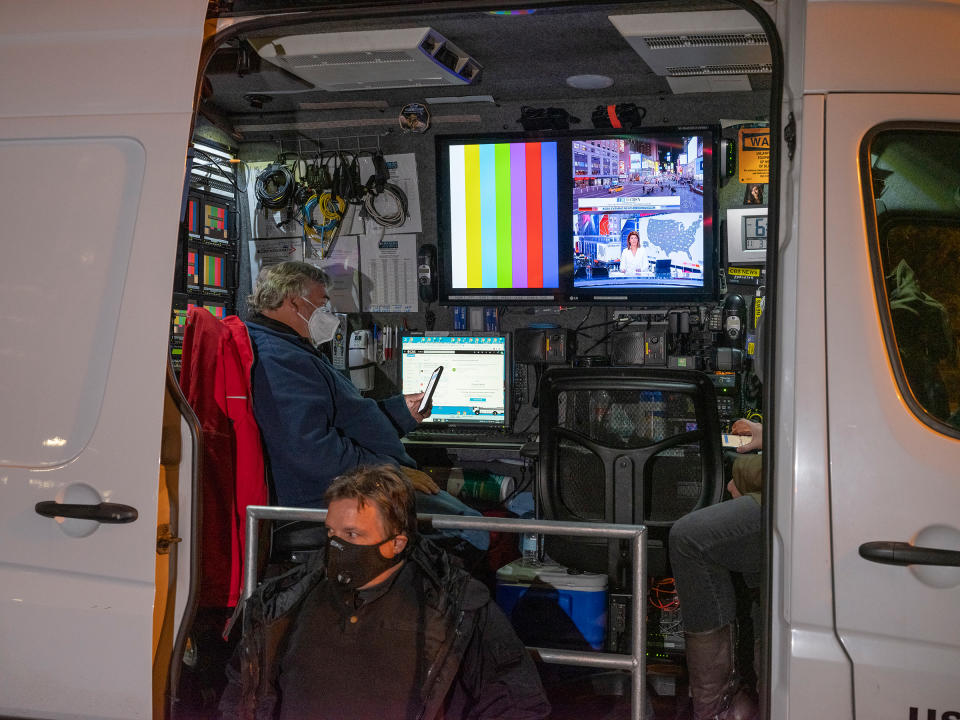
[914,206]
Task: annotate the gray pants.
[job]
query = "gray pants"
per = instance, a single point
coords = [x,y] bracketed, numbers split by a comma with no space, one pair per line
[705,547]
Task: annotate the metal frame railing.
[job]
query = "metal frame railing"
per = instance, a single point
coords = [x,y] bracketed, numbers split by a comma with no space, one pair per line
[635,663]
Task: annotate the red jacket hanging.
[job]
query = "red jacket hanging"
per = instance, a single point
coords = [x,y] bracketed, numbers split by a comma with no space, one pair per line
[215,379]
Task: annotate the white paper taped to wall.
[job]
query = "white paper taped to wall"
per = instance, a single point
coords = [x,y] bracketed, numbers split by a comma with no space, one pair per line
[343,267]
[265,252]
[388,264]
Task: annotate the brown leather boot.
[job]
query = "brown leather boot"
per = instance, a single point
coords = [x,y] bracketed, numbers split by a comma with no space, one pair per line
[716,689]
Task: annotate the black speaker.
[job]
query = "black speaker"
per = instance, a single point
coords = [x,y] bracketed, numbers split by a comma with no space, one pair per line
[550,346]
[627,348]
[529,345]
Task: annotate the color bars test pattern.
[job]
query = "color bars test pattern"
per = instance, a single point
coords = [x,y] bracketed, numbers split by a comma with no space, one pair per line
[179,321]
[503,215]
[218,311]
[215,222]
[193,273]
[193,217]
[213,270]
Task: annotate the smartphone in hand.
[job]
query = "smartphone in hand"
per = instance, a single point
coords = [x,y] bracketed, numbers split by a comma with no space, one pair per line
[431,386]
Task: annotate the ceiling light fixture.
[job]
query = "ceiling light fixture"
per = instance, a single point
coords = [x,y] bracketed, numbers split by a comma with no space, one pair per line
[589,82]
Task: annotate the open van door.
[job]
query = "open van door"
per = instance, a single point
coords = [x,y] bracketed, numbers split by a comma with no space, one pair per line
[892,235]
[96,115]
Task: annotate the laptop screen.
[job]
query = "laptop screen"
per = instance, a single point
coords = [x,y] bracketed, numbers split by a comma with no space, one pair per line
[472,389]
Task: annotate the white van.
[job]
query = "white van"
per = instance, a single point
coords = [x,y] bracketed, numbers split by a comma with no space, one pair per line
[99,103]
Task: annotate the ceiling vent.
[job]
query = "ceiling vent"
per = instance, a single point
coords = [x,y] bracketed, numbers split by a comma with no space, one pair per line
[371,60]
[698,44]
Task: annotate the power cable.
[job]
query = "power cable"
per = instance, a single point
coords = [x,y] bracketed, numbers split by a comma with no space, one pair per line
[387,219]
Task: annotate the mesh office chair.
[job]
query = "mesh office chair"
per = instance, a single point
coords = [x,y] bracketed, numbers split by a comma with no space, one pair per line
[625,445]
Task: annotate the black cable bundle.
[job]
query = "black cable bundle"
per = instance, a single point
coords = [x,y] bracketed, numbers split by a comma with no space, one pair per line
[275,186]
[356,188]
[536,119]
[621,115]
[342,181]
[318,177]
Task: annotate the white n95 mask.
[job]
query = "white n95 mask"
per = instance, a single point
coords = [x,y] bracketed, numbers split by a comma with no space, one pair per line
[322,324]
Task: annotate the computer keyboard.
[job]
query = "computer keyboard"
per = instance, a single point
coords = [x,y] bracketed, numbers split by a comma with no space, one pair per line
[462,435]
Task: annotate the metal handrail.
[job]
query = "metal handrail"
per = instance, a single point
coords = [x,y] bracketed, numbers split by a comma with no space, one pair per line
[635,663]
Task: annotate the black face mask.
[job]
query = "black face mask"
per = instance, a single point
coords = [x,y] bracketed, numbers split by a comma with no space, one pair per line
[352,565]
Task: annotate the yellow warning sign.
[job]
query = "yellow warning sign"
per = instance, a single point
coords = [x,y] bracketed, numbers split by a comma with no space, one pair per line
[743,272]
[753,155]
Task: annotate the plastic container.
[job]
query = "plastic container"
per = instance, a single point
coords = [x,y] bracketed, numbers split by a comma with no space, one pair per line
[550,606]
[479,485]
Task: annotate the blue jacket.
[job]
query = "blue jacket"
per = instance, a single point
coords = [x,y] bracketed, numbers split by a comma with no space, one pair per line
[314,422]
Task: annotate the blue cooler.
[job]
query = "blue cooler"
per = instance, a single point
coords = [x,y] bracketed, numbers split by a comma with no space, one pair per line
[553,607]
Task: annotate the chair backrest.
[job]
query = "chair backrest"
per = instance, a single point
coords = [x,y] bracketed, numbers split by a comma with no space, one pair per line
[625,445]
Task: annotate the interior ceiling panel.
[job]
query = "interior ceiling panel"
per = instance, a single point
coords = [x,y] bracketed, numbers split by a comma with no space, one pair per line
[526,59]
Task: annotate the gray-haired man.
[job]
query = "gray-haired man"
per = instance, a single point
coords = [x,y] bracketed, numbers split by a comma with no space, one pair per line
[315,424]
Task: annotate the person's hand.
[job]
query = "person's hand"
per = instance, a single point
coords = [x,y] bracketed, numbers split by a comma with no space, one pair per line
[420,480]
[413,402]
[754,430]
[732,488]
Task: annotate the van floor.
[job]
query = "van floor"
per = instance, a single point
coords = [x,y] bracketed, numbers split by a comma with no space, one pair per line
[589,694]
[574,693]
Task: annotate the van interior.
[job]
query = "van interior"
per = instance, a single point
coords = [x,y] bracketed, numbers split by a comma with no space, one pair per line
[476,175]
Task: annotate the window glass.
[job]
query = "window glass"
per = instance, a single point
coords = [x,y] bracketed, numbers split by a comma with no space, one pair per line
[915,195]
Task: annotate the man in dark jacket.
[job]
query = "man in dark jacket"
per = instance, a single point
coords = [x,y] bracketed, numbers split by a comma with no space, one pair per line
[384,626]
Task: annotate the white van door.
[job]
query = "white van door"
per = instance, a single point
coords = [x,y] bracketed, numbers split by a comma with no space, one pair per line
[892,256]
[94,123]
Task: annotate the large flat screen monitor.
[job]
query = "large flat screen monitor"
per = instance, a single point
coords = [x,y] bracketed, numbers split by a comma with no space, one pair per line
[472,391]
[569,217]
[643,219]
[499,219]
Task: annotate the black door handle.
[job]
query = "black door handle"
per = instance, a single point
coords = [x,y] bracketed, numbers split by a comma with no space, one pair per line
[901,553]
[103,512]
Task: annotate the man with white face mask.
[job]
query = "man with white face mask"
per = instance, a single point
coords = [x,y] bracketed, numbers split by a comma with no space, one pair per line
[315,424]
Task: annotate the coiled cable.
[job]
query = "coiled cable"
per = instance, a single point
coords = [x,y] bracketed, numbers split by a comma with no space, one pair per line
[394,219]
[275,186]
[331,209]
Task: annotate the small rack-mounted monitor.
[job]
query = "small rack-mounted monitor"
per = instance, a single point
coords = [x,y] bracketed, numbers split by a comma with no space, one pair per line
[193,216]
[214,271]
[215,218]
[193,269]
